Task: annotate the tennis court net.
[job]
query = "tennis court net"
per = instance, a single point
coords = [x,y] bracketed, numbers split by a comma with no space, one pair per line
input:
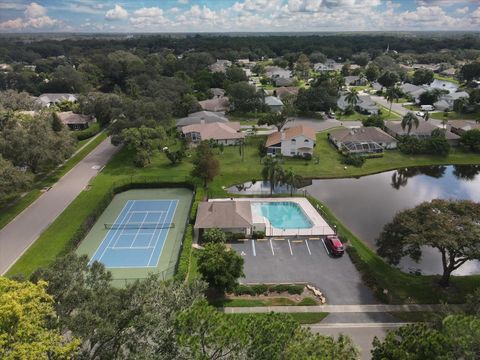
[136,226]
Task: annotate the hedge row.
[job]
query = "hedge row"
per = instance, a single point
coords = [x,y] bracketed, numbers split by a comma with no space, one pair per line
[93,130]
[184,259]
[263,289]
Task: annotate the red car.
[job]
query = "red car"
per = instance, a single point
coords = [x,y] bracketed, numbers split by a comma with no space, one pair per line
[334,245]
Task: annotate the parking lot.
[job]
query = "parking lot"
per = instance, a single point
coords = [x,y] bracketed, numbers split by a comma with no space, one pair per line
[302,260]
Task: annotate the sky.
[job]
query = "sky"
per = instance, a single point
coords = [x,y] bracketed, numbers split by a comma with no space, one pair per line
[238,15]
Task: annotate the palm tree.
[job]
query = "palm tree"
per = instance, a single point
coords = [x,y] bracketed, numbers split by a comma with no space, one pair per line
[426,116]
[272,171]
[352,97]
[392,94]
[292,180]
[409,120]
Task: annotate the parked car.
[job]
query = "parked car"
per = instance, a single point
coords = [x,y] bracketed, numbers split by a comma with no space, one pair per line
[334,245]
[427,107]
[419,113]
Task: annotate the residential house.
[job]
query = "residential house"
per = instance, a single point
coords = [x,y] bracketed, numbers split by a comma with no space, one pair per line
[274,103]
[280,76]
[5,67]
[286,91]
[362,140]
[30,67]
[451,71]
[298,140]
[217,92]
[229,215]
[328,65]
[246,63]
[412,91]
[423,131]
[220,66]
[222,133]
[459,127]
[365,104]
[47,100]
[202,117]
[75,121]
[281,81]
[447,101]
[216,104]
[355,81]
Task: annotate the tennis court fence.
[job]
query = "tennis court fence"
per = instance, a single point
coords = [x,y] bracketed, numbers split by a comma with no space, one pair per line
[139,226]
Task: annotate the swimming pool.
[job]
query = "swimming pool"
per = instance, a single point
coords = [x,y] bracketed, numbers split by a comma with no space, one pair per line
[283,215]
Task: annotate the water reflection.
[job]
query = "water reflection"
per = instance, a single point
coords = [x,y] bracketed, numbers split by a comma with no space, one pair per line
[366,204]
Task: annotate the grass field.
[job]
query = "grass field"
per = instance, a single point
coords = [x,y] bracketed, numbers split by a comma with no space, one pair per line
[9,213]
[453,115]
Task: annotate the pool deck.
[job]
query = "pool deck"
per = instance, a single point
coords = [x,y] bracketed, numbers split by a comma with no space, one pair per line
[319,228]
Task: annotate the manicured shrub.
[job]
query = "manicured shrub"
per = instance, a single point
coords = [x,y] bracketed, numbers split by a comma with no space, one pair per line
[295,289]
[354,160]
[258,234]
[260,289]
[244,290]
[279,288]
[184,261]
[214,235]
[91,131]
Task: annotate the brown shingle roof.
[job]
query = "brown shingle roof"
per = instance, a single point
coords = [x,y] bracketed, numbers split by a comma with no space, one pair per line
[291,133]
[361,134]
[464,124]
[424,129]
[68,117]
[215,131]
[223,214]
[217,104]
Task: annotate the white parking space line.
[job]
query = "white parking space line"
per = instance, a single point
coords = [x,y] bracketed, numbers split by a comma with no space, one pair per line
[253,248]
[290,246]
[271,247]
[325,246]
[308,247]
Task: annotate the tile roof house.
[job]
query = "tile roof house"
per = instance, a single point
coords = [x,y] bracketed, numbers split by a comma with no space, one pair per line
[222,133]
[362,136]
[229,215]
[413,91]
[75,121]
[47,100]
[283,91]
[220,66]
[216,104]
[355,80]
[202,117]
[424,130]
[459,127]
[297,140]
[217,92]
[274,103]
[446,102]
[365,104]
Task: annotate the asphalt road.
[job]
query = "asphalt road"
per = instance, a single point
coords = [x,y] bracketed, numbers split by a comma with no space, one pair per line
[20,233]
[284,261]
[362,334]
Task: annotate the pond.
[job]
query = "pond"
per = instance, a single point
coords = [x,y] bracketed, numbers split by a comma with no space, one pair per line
[444,85]
[366,204]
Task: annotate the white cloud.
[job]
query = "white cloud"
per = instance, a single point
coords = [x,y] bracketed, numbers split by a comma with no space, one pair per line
[35,10]
[117,13]
[11,6]
[462,11]
[15,24]
[148,12]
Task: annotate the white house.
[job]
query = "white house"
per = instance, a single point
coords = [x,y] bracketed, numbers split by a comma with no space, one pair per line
[274,103]
[46,100]
[222,133]
[298,140]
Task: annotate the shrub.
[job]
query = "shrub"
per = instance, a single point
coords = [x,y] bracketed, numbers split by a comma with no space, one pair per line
[308,301]
[260,289]
[214,235]
[471,140]
[258,234]
[295,289]
[353,159]
[307,156]
[243,290]
[184,260]
[373,120]
[93,130]
[279,288]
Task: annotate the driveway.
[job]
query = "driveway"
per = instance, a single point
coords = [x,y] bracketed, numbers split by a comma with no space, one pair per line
[21,232]
[289,261]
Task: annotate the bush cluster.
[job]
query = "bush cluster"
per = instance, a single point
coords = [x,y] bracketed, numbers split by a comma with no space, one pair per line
[353,159]
[263,289]
[435,145]
[93,130]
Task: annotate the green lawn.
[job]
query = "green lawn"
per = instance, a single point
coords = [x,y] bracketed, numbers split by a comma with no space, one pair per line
[302,318]
[453,115]
[446,78]
[9,213]
[276,301]
[356,116]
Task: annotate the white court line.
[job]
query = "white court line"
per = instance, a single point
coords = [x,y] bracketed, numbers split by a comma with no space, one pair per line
[122,226]
[161,231]
[106,236]
[156,229]
[308,247]
[166,235]
[138,230]
[271,247]
[290,246]
[148,211]
[133,248]
[253,248]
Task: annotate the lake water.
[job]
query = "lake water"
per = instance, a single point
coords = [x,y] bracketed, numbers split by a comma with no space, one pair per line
[444,85]
[366,204]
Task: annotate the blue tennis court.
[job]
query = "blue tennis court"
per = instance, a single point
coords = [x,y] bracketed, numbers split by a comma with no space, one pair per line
[136,238]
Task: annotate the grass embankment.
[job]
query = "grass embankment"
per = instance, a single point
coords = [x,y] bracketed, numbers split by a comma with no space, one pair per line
[55,240]
[9,213]
[301,318]
[446,78]
[453,115]
[401,287]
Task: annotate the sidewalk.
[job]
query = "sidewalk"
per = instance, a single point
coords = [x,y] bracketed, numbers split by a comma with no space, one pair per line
[338,308]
